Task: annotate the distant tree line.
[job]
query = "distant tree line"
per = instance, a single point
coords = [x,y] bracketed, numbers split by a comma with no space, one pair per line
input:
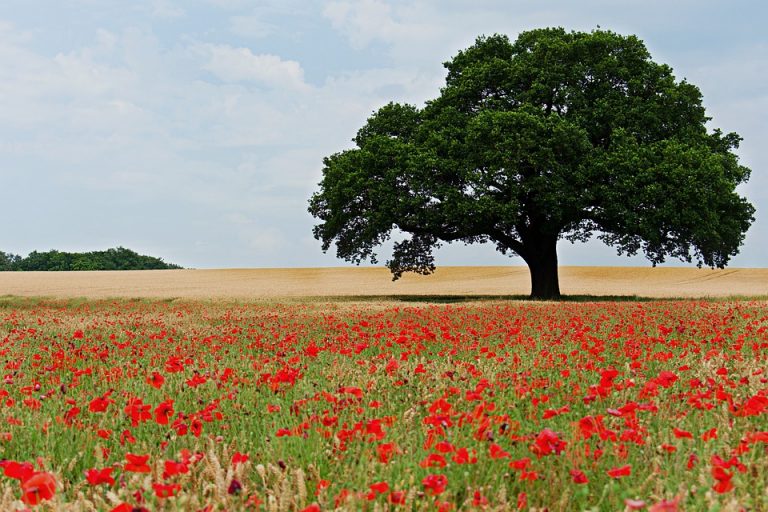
[119,258]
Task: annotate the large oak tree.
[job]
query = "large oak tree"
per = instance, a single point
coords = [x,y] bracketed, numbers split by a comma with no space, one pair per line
[555,135]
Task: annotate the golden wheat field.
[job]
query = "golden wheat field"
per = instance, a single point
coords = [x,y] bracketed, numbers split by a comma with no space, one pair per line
[271,284]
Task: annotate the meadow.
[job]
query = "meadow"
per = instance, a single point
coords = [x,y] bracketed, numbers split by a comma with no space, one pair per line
[131,405]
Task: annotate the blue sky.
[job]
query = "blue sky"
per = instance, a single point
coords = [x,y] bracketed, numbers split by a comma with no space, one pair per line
[195,130]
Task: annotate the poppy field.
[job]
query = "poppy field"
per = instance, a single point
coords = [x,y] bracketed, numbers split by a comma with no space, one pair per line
[164,405]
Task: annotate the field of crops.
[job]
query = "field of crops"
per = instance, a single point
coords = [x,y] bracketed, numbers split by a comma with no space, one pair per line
[167,405]
[323,283]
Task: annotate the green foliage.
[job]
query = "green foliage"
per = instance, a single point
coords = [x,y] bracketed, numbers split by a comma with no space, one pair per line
[8,261]
[556,135]
[111,259]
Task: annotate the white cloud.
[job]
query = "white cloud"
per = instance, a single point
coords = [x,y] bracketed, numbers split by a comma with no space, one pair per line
[10,34]
[252,26]
[417,36]
[228,4]
[403,26]
[363,21]
[242,65]
[165,9]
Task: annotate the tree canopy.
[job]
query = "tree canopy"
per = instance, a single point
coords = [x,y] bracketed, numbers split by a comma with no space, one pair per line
[557,135]
[119,258]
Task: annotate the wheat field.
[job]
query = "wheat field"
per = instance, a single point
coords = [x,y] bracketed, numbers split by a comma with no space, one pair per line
[294,283]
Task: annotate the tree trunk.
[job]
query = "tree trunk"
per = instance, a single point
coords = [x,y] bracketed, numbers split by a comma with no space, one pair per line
[542,264]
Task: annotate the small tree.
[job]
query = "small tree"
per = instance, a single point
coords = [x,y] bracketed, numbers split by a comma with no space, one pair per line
[9,261]
[557,135]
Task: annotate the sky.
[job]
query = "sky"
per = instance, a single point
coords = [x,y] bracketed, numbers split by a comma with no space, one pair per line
[195,130]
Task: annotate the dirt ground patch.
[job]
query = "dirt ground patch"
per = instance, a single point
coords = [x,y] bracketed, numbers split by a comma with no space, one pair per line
[361,282]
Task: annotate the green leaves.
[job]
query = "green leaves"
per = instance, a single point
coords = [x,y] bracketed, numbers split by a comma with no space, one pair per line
[672,198]
[118,258]
[555,135]
[9,261]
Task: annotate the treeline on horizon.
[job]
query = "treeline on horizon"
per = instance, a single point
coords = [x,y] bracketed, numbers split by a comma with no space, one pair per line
[118,258]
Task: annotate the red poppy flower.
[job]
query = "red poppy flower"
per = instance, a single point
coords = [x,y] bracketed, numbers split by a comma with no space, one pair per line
[462,456]
[547,442]
[435,484]
[357,392]
[100,403]
[166,490]
[433,460]
[180,426]
[127,507]
[551,413]
[385,452]
[21,471]
[99,476]
[396,497]
[478,500]
[126,437]
[239,458]
[172,468]
[38,487]
[71,414]
[682,434]
[163,412]
[579,477]
[497,452]
[379,487]
[723,478]
[136,463]
[138,411]
[234,487]
[619,472]
[156,380]
[522,501]
[196,380]
[196,427]
[755,437]
[520,464]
